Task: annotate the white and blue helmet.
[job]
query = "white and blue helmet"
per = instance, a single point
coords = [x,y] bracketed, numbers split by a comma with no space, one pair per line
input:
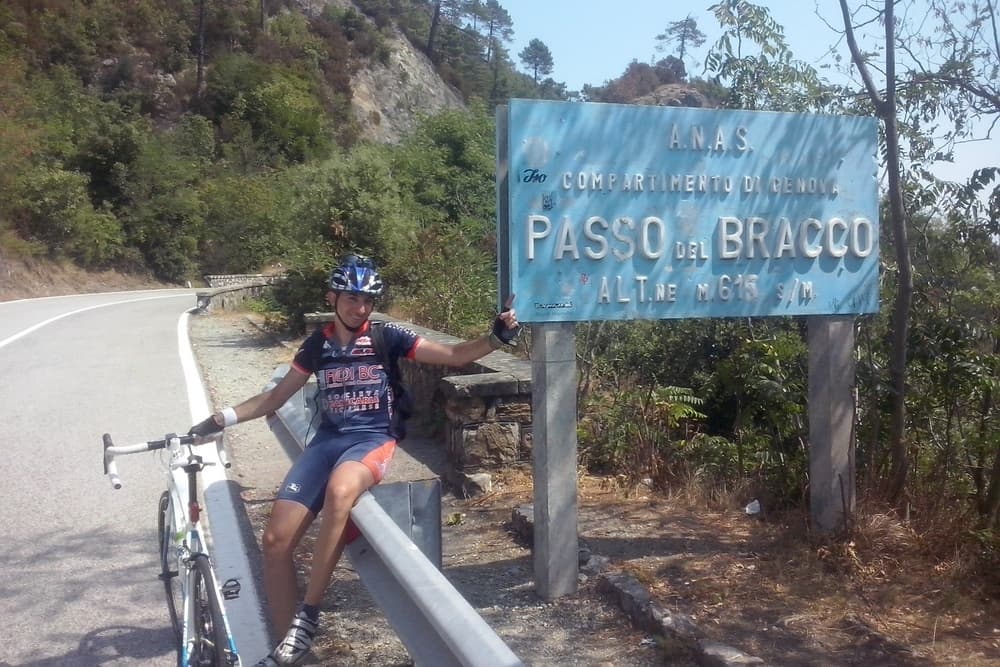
[356,274]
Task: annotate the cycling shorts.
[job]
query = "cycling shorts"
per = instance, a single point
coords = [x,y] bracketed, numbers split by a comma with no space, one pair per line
[306,482]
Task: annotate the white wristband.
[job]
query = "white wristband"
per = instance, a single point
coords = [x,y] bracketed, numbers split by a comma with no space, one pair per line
[229,417]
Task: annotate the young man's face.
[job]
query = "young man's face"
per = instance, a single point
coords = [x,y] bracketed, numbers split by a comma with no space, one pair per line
[352,308]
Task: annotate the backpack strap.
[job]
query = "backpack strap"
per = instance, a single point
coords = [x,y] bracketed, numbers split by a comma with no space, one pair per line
[391,367]
[404,404]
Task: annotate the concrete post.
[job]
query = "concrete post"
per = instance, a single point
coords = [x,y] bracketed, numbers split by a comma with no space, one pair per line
[553,400]
[831,421]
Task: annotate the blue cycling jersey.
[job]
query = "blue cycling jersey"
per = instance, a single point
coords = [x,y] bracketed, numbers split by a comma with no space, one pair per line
[354,393]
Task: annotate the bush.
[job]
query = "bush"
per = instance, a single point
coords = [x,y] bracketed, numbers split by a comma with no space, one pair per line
[351,202]
[287,119]
[54,209]
[230,78]
[638,431]
[303,290]
[244,228]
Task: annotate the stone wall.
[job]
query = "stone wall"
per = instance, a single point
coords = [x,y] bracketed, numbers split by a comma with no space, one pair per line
[229,279]
[229,298]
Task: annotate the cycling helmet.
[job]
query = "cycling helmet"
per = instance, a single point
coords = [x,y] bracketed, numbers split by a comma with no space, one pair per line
[356,274]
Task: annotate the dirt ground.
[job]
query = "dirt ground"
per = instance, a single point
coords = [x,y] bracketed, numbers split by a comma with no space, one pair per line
[766,588]
[32,278]
[760,585]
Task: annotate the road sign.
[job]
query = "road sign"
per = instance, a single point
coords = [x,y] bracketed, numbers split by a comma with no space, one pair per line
[621,212]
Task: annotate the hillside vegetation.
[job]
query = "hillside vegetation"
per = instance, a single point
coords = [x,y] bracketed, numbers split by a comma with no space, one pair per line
[181,137]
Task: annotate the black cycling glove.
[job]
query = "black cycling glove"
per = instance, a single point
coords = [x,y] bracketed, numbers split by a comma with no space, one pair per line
[507,336]
[206,427]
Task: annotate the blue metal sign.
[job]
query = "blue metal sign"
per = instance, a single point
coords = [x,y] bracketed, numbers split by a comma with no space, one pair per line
[620,212]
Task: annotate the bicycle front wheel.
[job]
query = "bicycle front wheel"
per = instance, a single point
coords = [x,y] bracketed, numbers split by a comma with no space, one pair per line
[210,646]
[168,562]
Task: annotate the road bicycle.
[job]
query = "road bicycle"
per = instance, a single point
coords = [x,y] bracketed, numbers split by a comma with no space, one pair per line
[194,596]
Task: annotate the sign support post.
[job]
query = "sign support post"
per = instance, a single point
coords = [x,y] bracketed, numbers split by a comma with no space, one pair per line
[553,404]
[831,421]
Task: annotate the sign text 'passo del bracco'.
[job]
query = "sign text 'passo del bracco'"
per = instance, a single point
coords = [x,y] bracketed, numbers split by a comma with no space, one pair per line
[620,212]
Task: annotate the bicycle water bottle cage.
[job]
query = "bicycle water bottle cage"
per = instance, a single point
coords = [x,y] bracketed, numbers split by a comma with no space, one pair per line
[231,589]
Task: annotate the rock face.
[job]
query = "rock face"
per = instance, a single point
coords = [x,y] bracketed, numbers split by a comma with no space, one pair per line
[389,100]
[674,95]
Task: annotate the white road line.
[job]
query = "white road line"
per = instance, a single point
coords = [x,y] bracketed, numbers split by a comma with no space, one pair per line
[36,327]
[70,296]
[245,614]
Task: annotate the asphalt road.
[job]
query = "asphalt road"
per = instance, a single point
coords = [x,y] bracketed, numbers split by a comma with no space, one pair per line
[78,565]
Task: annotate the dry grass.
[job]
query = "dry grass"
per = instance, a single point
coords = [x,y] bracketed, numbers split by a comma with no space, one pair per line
[23,278]
[885,593]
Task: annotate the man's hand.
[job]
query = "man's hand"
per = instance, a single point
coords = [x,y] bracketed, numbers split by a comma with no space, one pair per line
[206,427]
[505,326]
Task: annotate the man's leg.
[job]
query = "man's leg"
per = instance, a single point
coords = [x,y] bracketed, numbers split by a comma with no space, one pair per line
[288,523]
[349,480]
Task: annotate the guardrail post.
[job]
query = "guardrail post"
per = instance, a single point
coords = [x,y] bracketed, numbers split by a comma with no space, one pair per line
[416,508]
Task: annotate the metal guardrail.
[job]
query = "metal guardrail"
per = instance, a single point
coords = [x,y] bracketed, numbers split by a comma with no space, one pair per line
[436,624]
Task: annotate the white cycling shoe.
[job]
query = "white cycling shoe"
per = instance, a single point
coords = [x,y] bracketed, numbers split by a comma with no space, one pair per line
[295,646]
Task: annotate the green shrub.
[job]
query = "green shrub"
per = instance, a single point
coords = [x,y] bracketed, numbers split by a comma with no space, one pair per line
[52,207]
[636,431]
[244,228]
[229,80]
[287,118]
[303,290]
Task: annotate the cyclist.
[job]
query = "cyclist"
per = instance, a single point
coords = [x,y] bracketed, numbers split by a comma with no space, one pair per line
[352,446]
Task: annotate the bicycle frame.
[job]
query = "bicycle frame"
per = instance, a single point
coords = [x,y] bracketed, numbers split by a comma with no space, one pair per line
[188,545]
[182,544]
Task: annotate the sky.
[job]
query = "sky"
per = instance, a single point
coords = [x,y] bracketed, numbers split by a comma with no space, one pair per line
[592,42]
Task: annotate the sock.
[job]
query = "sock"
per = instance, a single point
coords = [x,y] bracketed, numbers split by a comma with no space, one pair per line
[312,611]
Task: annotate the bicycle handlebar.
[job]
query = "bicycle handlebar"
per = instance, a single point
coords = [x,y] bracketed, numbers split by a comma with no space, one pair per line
[111,450]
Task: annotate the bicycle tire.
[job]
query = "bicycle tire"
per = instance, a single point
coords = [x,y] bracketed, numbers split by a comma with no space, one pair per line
[171,586]
[211,641]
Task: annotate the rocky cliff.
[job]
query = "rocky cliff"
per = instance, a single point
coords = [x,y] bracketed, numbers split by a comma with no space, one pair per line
[389,100]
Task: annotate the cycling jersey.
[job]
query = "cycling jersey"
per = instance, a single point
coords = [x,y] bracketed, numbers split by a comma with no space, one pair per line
[354,393]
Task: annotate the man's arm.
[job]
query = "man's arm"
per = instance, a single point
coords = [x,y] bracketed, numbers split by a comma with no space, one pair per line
[256,406]
[504,332]
[459,354]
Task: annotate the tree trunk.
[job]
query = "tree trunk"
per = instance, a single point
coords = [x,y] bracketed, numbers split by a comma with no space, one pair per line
[904,290]
[991,518]
[900,321]
[990,505]
[200,82]
[432,35]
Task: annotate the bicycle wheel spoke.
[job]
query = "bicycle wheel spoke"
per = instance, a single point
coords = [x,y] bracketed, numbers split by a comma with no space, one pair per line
[211,639]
